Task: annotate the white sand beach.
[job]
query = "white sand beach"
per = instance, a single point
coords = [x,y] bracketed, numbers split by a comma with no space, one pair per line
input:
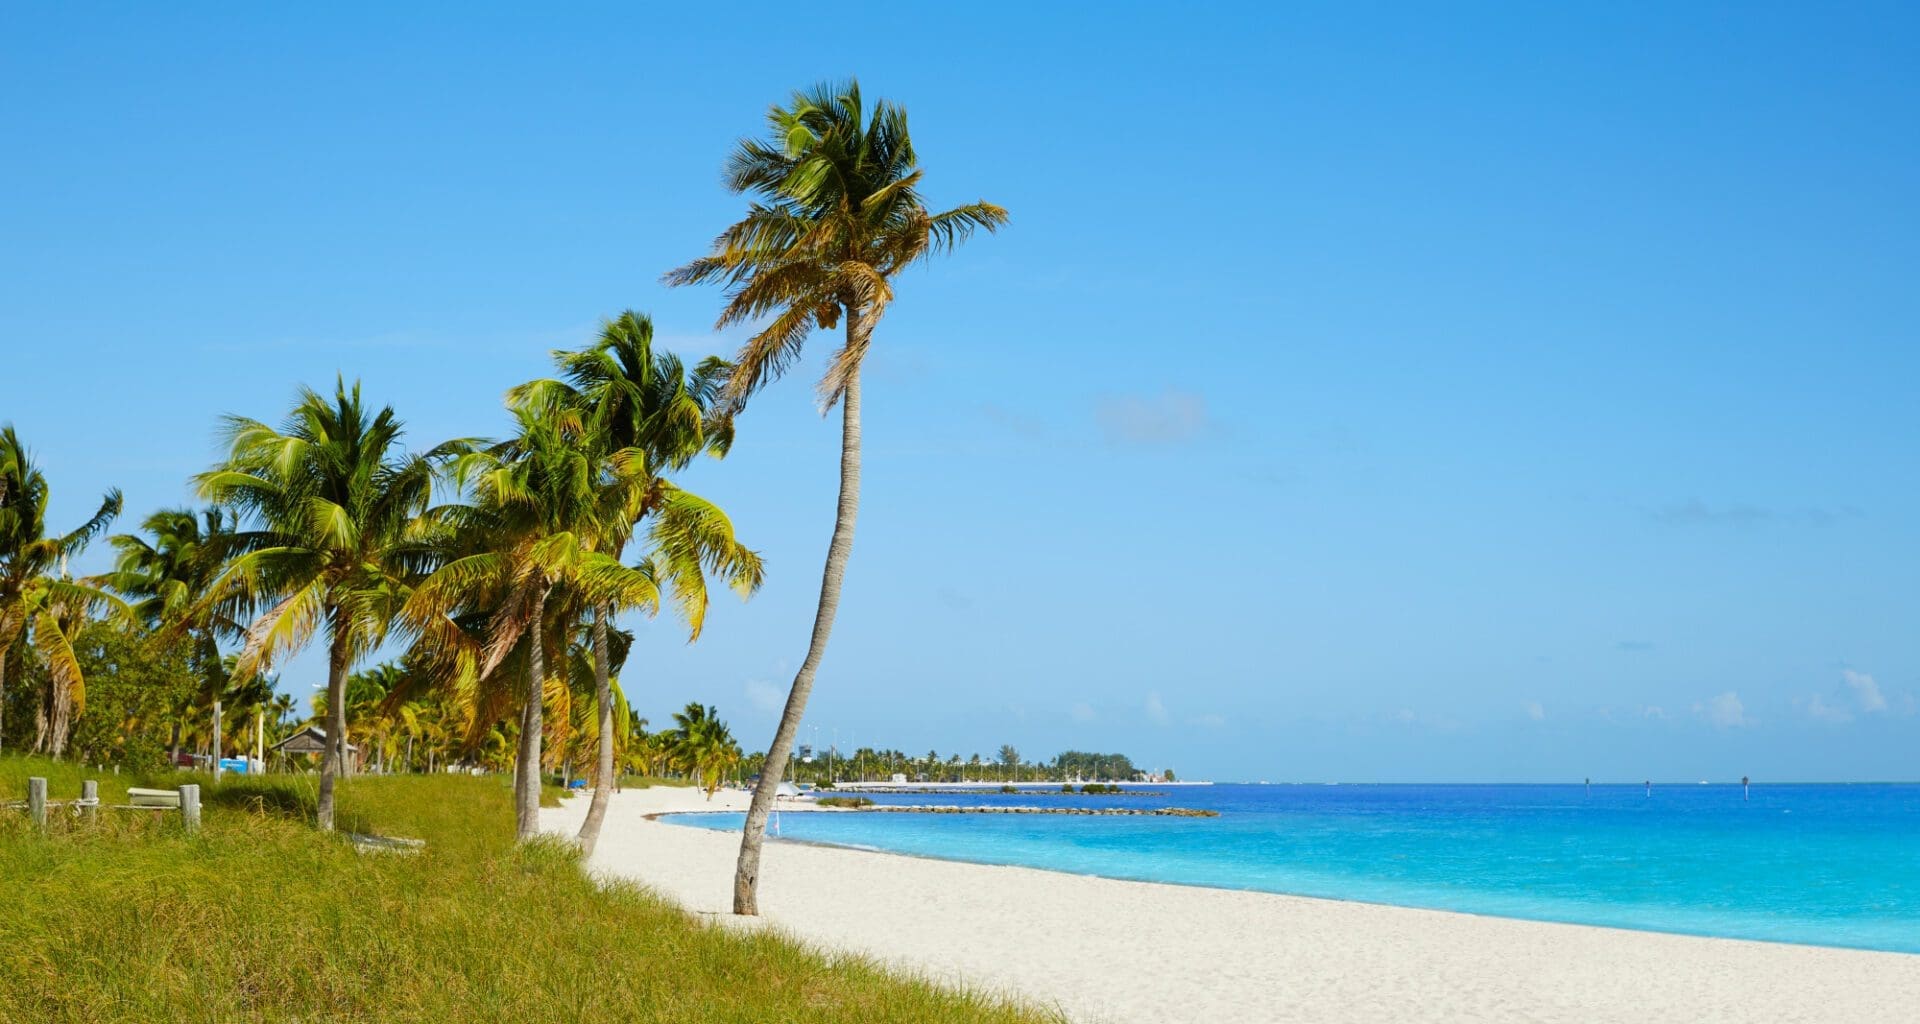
[1113,952]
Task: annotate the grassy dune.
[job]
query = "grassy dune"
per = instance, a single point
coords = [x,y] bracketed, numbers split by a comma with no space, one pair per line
[260,918]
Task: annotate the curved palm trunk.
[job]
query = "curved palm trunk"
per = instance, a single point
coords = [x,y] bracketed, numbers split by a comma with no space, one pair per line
[5,650]
[336,753]
[527,799]
[603,776]
[746,876]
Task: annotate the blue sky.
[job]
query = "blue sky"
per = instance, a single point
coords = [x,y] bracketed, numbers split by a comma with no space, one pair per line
[1362,393]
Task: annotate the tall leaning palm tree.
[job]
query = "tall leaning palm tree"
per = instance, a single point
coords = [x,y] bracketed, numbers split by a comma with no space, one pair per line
[39,602]
[333,500]
[836,215]
[644,416]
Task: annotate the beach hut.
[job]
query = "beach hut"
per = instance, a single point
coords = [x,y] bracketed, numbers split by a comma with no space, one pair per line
[311,739]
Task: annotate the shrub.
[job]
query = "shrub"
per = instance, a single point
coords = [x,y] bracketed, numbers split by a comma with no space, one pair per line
[844,801]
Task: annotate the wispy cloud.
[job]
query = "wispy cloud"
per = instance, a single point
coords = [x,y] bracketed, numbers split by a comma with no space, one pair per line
[765,696]
[1697,513]
[1866,692]
[1157,710]
[1817,708]
[1021,425]
[1724,711]
[1171,417]
[1535,710]
[1858,694]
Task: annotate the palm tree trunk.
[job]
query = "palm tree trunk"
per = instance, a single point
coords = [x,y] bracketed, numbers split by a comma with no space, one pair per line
[603,775]
[336,753]
[527,800]
[746,876]
[5,650]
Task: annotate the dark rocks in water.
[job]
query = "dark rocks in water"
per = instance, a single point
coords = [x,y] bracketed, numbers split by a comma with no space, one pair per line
[1160,812]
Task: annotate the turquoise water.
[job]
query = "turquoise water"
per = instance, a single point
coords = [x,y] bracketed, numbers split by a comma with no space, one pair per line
[1835,865]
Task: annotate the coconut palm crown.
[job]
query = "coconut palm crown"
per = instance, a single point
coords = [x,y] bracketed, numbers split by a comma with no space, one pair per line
[836,214]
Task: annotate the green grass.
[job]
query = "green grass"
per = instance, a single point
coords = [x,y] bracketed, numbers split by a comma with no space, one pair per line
[261,918]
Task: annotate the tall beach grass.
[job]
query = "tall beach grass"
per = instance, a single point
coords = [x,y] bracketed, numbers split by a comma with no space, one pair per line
[258,917]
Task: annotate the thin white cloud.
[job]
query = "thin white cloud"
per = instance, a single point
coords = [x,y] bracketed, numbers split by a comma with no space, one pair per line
[1171,417]
[1535,711]
[1866,692]
[1724,711]
[1858,694]
[1155,709]
[765,696]
[1817,708]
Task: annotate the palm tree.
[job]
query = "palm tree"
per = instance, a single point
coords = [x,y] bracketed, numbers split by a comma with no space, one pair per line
[368,707]
[166,577]
[40,603]
[644,416]
[703,747]
[334,501]
[836,215]
[540,527]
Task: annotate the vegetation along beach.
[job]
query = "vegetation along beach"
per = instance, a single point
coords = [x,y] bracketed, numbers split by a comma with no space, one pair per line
[1138,515]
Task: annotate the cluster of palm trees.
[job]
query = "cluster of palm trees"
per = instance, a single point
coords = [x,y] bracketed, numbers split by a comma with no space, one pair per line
[501,565]
[508,587]
[401,724]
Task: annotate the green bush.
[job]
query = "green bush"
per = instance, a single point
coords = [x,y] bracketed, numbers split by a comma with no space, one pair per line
[843,801]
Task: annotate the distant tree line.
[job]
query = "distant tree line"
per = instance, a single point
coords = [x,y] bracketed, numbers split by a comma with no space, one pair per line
[871,764]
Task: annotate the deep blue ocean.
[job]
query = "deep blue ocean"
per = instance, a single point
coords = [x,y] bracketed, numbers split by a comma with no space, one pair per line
[1835,865]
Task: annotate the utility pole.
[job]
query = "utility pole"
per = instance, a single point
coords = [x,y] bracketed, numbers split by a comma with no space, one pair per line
[216,741]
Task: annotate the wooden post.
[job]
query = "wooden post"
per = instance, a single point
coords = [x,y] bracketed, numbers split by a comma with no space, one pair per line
[190,807]
[37,801]
[216,741]
[90,799]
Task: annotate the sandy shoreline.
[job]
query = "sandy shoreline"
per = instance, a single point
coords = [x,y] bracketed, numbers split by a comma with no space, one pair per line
[1105,951]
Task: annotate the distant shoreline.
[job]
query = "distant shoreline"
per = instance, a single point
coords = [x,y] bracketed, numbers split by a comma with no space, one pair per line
[925,787]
